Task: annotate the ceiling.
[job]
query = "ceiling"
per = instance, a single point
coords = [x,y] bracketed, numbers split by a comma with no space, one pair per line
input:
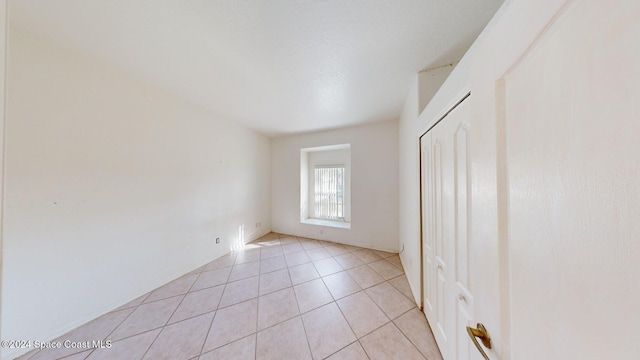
[277,66]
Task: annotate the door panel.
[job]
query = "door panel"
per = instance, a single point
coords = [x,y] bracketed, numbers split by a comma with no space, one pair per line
[435,281]
[448,299]
[462,205]
[573,171]
[464,300]
[438,215]
[428,252]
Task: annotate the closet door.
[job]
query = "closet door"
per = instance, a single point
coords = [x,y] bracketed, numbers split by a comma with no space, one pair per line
[448,301]
[432,255]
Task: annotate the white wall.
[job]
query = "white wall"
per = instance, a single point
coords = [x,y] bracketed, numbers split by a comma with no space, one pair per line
[429,81]
[374,185]
[112,189]
[422,90]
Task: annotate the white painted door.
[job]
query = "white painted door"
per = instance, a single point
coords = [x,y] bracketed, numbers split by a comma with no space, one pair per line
[433,251]
[572,125]
[448,300]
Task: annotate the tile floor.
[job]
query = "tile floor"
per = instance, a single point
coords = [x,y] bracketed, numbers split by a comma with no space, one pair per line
[281,297]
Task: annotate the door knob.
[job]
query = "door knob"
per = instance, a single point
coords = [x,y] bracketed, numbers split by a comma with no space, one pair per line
[481,333]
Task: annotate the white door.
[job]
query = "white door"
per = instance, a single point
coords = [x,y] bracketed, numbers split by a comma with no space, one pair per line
[448,300]
[572,121]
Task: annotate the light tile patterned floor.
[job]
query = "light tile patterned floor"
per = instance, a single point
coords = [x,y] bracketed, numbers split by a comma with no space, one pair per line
[281,297]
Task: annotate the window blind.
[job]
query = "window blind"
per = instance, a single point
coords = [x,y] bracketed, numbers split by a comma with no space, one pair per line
[329,192]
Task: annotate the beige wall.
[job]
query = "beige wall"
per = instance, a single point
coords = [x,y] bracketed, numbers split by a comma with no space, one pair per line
[112,189]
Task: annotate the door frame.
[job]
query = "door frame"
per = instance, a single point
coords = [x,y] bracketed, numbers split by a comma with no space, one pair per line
[463,95]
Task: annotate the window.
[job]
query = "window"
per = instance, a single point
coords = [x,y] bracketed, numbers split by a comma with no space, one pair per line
[329,192]
[325,186]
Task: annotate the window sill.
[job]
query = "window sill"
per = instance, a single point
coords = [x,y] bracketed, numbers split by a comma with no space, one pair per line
[329,223]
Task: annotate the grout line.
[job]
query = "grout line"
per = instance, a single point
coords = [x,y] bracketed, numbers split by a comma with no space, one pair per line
[232,341]
[342,348]
[279,323]
[74,354]
[363,349]
[209,330]
[216,310]
[306,336]
[400,291]
[144,332]
[345,318]
[133,308]
[430,331]
[255,346]
[407,338]
[125,318]
[172,313]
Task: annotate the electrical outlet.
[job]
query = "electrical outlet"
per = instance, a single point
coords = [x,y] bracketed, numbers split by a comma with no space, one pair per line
[217,240]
